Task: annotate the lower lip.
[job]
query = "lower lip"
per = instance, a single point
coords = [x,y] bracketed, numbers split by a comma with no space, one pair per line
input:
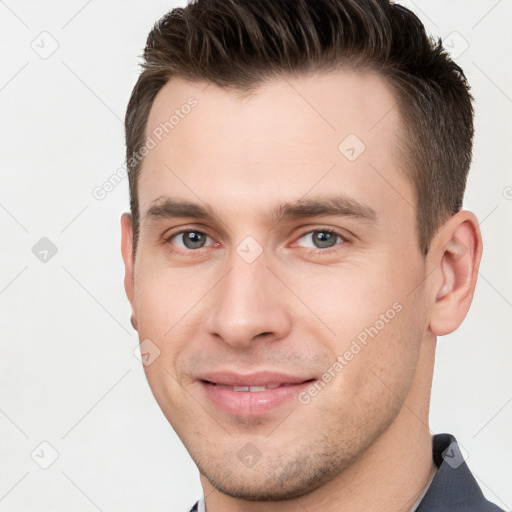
[251,403]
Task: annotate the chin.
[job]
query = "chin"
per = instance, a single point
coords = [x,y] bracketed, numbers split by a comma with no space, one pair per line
[264,491]
[274,479]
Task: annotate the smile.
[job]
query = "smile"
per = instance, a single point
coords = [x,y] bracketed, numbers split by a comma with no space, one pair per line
[251,395]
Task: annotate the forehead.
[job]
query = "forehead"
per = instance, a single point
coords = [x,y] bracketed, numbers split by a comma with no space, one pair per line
[289,137]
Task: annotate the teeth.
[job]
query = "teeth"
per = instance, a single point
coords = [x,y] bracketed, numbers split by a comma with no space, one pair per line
[252,389]
[257,388]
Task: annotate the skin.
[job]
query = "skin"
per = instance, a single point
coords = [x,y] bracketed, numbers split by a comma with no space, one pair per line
[364,438]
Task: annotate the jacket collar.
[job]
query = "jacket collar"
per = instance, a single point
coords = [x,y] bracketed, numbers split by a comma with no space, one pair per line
[453,488]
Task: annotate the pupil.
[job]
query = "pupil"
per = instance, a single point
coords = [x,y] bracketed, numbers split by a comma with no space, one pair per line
[193,240]
[324,239]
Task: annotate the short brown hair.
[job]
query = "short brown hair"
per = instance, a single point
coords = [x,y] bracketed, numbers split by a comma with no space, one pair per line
[239,44]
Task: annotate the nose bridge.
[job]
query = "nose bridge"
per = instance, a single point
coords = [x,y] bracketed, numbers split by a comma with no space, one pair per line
[247,303]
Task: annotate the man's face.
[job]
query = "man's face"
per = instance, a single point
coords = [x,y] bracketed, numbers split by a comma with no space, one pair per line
[273,288]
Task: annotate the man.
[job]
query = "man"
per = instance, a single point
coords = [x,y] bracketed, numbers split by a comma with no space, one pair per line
[296,244]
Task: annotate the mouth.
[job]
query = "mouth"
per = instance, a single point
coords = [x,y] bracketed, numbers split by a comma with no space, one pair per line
[250,389]
[251,395]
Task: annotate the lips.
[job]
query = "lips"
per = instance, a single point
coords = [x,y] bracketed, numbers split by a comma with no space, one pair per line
[253,394]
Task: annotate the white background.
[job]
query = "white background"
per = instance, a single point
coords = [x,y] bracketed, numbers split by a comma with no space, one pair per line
[68,375]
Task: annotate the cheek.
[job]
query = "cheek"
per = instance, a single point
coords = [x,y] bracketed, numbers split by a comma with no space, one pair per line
[163,297]
[159,312]
[379,362]
[368,293]
[349,298]
[377,317]
[166,302]
[374,379]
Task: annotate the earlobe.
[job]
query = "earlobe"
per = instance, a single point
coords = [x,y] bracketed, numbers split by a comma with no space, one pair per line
[458,249]
[127,253]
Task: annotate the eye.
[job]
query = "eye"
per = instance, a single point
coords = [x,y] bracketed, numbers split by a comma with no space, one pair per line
[190,239]
[320,239]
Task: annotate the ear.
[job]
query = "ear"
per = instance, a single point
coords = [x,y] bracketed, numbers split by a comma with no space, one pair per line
[456,250]
[128,256]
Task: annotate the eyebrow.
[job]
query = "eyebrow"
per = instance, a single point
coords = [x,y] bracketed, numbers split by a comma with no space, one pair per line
[336,206]
[339,206]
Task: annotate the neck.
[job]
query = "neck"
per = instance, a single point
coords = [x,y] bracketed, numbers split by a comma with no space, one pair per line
[392,473]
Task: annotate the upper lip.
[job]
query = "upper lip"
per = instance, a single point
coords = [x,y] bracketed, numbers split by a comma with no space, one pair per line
[251,379]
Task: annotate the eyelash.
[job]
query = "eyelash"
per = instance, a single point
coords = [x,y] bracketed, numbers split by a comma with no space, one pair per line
[317,251]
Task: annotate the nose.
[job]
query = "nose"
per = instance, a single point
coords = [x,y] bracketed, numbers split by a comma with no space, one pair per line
[249,304]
